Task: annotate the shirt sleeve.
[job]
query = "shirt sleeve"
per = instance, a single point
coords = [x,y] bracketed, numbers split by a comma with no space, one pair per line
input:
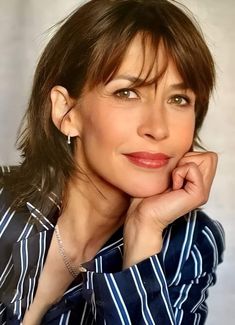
[166,288]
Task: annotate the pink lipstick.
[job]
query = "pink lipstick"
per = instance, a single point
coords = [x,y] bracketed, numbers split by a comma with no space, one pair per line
[147,159]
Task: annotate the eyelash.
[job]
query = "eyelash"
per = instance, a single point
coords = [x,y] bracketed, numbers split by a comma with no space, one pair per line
[130,90]
[136,96]
[181,97]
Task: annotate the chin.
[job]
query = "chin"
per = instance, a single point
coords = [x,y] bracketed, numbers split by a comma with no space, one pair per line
[146,191]
[143,186]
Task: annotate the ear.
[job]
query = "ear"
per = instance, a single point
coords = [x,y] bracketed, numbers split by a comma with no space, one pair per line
[63,111]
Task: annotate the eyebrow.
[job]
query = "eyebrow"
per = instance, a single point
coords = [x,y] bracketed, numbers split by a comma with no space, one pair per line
[133,79]
[127,77]
[180,86]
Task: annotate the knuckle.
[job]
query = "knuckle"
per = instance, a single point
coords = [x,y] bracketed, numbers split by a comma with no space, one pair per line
[203,197]
[212,156]
[175,171]
[192,164]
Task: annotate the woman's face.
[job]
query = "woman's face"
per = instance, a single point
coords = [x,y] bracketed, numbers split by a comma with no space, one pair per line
[132,138]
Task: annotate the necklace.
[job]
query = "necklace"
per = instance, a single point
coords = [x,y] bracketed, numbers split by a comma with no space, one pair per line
[72,269]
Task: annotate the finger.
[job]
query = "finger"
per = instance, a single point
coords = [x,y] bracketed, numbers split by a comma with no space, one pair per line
[178,178]
[198,157]
[206,162]
[188,177]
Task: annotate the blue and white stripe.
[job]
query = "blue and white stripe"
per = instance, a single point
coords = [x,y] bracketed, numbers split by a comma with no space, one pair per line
[117,291]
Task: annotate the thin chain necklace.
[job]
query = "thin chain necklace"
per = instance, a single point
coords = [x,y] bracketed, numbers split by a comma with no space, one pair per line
[72,269]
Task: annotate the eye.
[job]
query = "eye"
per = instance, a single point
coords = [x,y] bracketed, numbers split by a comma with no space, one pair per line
[179,100]
[126,93]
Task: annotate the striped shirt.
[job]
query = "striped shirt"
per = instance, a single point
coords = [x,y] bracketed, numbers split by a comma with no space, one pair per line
[167,288]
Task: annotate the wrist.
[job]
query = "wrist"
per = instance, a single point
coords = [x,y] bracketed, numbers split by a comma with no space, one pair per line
[144,244]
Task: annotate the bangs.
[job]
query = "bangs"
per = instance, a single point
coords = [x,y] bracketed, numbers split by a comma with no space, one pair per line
[149,73]
[188,62]
[110,26]
[165,23]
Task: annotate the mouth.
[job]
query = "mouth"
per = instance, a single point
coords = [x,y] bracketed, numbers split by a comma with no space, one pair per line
[147,159]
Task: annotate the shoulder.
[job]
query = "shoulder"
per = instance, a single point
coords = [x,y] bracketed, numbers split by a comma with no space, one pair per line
[12,221]
[193,245]
[197,228]
[209,233]
[15,223]
[6,199]
[5,171]
[12,228]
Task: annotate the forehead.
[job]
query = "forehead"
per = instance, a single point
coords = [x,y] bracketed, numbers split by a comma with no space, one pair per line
[147,62]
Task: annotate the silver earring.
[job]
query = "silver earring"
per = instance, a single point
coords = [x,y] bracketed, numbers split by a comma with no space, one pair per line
[69,139]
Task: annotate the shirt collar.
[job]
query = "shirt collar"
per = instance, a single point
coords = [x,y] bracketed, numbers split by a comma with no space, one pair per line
[44,221]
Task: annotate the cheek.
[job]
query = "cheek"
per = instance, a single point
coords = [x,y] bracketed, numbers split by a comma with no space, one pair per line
[184,134]
[106,127]
[100,134]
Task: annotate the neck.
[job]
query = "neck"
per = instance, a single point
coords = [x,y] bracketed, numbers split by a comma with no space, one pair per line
[92,213]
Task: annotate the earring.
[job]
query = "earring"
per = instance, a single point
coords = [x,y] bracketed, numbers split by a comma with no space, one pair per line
[69,139]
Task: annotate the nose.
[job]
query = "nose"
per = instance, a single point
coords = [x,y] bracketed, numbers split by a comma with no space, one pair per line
[153,124]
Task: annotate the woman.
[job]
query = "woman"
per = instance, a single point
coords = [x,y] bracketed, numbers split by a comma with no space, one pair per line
[100,222]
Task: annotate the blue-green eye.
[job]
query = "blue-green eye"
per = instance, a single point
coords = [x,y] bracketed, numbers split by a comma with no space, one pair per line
[179,100]
[126,93]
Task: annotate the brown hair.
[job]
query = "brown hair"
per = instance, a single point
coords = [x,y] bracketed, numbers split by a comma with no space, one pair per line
[87,49]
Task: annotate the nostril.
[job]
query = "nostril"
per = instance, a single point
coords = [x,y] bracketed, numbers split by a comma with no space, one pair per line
[150,136]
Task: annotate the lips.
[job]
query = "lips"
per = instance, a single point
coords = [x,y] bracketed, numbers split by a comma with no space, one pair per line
[147,159]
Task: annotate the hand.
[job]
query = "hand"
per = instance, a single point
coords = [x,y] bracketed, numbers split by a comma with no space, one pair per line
[147,218]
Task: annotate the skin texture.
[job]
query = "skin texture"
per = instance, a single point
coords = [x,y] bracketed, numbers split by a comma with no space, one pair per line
[114,122]
[115,119]
[108,122]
